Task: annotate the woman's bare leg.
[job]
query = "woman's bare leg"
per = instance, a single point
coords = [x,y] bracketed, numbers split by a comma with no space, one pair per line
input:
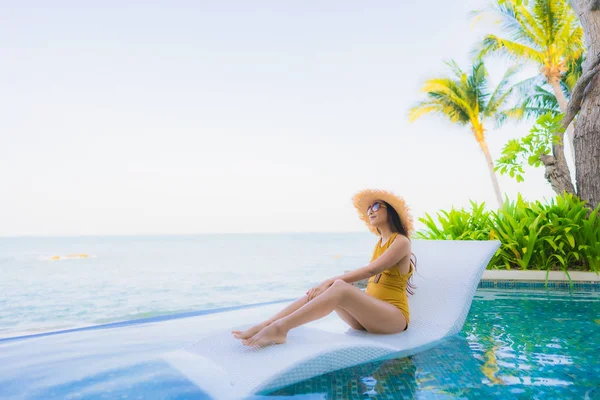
[349,319]
[375,315]
[248,333]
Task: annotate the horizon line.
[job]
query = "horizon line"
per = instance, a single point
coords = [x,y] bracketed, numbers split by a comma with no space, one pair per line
[31,236]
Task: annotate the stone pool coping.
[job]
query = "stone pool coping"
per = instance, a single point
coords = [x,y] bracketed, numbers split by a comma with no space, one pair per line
[504,275]
[503,279]
[514,279]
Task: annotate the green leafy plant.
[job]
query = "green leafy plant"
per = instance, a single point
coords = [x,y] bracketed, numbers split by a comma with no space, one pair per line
[540,236]
[560,235]
[458,224]
[530,149]
[590,240]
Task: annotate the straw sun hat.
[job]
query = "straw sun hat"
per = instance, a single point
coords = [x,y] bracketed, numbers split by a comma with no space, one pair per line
[363,199]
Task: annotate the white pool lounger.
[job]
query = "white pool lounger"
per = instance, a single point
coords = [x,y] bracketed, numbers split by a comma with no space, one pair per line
[448,273]
[196,353]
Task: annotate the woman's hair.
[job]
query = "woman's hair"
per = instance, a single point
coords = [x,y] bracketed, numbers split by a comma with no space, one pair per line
[397,226]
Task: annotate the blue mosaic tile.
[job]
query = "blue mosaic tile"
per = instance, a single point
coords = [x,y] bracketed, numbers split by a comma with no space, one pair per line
[516,344]
[537,285]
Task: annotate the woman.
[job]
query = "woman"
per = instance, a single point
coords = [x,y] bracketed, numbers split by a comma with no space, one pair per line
[383,307]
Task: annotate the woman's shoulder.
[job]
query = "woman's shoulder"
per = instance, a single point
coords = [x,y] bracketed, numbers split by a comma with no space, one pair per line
[402,239]
[396,239]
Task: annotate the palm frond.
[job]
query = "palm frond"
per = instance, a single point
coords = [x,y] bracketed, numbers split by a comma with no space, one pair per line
[422,108]
[449,90]
[448,109]
[531,20]
[519,113]
[540,101]
[527,86]
[574,72]
[455,68]
[464,97]
[502,92]
[514,50]
[521,29]
[572,42]
[546,32]
[545,13]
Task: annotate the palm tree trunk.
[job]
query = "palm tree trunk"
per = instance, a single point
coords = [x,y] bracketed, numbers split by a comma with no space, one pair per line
[587,138]
[562,103]
[488,157]
[587,142]
[557,170]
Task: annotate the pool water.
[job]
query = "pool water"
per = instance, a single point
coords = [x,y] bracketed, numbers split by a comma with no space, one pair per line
[516,344]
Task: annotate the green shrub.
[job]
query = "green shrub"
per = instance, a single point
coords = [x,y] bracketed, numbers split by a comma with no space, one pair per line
[458,225]
[562,235]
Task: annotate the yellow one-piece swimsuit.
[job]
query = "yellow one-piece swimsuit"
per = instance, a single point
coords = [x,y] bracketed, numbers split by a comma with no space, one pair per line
[390,285]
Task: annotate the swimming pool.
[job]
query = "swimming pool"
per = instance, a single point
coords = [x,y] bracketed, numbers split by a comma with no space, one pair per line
[515,344]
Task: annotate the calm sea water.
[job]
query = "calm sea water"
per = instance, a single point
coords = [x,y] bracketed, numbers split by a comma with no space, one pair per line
[135,277]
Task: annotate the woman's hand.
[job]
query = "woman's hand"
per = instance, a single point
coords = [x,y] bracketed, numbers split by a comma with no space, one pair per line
[317,290]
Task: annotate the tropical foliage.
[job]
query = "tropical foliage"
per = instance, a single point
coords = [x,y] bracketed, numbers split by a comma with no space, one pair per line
[465,98]
[458,224]
[531,148]
[563,234]
[548,34]
[555,236]
[536,97]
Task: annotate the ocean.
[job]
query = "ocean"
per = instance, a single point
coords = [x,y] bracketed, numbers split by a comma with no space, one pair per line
[56,283]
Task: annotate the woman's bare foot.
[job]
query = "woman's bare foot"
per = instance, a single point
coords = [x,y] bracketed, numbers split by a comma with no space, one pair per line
[272,334]
[248,333]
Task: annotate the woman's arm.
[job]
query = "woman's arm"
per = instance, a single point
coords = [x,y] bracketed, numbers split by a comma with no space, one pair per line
[399,249]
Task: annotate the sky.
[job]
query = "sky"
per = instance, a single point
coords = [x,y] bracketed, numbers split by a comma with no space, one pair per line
[183,117]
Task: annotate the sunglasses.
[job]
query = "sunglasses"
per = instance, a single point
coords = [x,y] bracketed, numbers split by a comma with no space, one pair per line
[375,207]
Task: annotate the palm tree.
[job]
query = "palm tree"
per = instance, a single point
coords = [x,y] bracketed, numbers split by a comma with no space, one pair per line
[537,97]
[546,32]
[465,99]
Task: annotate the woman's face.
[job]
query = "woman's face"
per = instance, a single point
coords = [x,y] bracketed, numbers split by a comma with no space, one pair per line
[377,213]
